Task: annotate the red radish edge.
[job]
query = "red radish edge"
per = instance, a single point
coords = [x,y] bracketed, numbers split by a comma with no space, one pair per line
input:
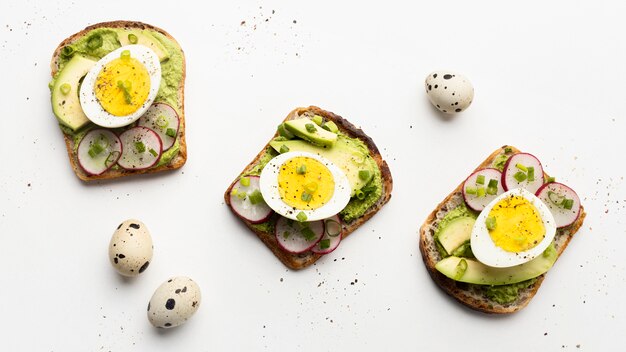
[465,196]
[303,249]
[508,162]
[233,205]
[576,201]
[335,241]
[177,123]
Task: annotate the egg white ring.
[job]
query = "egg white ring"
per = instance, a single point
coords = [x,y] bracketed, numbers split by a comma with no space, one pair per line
[90,104]
[269,180]
[486,251]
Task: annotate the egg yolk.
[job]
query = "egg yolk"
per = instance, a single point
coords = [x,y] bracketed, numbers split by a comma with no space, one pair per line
[305,183]
[122,86]
[518,225]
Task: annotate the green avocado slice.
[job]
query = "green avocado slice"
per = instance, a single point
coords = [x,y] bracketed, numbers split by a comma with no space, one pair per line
[477,273]
[65,101]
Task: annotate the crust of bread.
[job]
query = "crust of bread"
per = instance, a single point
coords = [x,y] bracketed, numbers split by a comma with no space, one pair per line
[468,294]
[178,161]
[300,261]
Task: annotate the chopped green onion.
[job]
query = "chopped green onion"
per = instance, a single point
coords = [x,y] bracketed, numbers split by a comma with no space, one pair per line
[255,197]
[480,192]
[132,38]
[306,196]
[170,132]
[519,176]
[470,190]
[480,179]
[492,190]
[284,132]
[234,191]
[310,127]
[286,234]
[521,167]
[153,152]
[140,147]
[94,42]
[311,187]
[307,233]
[284,149]
[325,243]
[551,179]
[556,198]
[359,194]
[65,88]
[531,173]
[301,170]
[111,158]
[68,51]
[329,224]
[330,126]
[242,195]
[125,87]
[490,222]
[301,216]
[364,175]
[460,269]
[493,183]
[369,189]
[358,158]
[317,119]
[125,55]
[162,122]
[95,149]
[508,150]
[568,203]
[245,181]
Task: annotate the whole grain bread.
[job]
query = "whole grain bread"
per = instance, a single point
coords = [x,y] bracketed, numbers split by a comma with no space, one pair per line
[299,261]
[472,295]
[178,161]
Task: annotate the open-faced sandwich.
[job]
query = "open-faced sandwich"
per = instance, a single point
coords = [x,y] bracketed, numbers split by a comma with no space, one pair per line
[117,92]
[313,184]
[491,241]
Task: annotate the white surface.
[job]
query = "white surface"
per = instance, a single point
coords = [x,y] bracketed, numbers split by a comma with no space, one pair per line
[548,79]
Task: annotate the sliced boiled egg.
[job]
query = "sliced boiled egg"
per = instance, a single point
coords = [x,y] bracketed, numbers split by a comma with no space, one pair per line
[304,186]
[513,229]
[121,86]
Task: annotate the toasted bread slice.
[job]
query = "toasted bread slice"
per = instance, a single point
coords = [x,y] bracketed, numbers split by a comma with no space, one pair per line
[179,160]
[472,295]
[299,261]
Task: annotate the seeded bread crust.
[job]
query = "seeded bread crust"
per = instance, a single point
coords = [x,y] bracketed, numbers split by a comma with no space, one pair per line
[468,294]
[178,161]
[300,261]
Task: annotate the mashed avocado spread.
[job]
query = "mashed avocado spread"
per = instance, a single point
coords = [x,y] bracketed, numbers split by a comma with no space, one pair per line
[171,74]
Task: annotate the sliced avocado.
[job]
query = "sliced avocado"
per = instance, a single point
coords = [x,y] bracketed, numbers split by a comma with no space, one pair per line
[455,233]
[307,129]
[346,154]
[65,102]
[481,274]
[143,38]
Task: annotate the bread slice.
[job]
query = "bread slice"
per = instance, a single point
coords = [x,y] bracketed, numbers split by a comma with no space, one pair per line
[472,295]
[176,162]
[299,261]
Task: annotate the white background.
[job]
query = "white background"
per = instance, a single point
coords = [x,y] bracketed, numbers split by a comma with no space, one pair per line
[549,79]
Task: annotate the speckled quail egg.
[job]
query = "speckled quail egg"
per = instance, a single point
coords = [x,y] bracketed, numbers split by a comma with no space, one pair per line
[130,249]
[174,302]
[449,92]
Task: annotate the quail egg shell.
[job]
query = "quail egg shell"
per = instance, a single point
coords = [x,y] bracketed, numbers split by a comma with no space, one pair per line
[296,183]
[449,92]
[174,302]
[513,229]
[121,86]
[130,249]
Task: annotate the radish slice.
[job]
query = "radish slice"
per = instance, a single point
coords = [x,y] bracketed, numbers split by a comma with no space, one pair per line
[479,189]
[333,230]
[298,237]
[98,151]
[142,148]
[241,202]
[562,201]
[162,119]
[522,170]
